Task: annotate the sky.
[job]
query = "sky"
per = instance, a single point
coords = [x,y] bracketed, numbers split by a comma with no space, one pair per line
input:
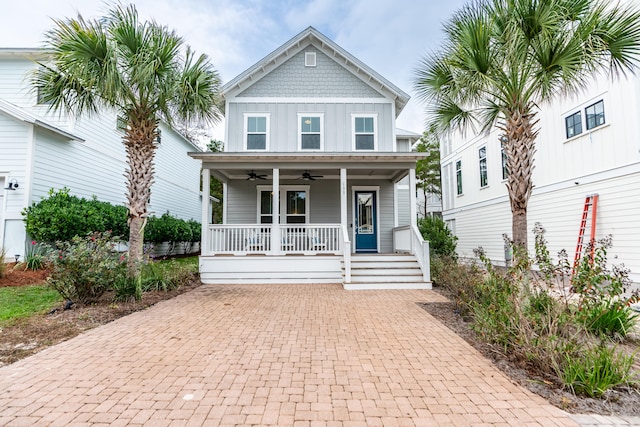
[390,36]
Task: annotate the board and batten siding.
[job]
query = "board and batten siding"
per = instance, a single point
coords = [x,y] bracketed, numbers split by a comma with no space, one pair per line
[327,78]
[14,147]
[324,199]
[283,124]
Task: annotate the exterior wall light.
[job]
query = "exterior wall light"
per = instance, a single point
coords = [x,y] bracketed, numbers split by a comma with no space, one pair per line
[13,185]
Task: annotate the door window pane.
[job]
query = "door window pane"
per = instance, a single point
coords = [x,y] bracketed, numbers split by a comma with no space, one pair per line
[296,207]
[365,213]
[266,207]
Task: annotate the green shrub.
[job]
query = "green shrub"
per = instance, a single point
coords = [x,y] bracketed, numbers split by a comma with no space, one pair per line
[495,314]
[594,371]
[167,228]
[155,276]
[196,230]
[62,216]
[441,241]
[612,319]
[459,279]
[85,268]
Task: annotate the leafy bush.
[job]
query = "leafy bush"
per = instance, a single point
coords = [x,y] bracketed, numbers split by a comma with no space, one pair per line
[155,276]
[441,241]
[85,268]
[460,280]
[196,230]
[62,216]
[596,370]
[167,228]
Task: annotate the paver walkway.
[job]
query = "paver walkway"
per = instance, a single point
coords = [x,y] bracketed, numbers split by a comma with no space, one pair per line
[311,355]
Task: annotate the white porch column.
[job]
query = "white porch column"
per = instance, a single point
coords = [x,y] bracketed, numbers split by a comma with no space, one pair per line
[412,197]
[343,197]
[206,216]
[275,214]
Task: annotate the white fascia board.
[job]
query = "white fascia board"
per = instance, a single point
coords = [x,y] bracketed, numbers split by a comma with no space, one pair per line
[20,114]
[329,47]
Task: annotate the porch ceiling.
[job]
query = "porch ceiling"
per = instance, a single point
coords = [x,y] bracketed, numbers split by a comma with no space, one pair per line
[380,165]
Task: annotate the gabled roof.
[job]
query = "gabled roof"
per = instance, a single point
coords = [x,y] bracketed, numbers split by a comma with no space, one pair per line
[322,42]
[24,116]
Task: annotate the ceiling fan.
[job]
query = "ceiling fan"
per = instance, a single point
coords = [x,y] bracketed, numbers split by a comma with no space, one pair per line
[252,176]
[306,175]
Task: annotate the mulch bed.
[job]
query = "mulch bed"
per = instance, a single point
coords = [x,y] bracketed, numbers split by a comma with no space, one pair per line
[620,402]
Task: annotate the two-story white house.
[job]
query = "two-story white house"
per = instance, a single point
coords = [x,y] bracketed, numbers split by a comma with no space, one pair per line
[588,144]
[310,170]
[40,150]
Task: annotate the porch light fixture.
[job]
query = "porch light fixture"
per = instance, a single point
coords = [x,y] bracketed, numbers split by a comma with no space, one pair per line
[13,185]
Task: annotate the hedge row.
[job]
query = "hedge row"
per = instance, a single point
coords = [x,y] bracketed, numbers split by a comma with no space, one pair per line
[62,216]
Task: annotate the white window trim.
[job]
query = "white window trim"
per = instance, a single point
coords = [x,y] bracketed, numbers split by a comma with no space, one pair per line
[353,130]
[300,116]
[581,108]
[283,200]
[245,130]
[310,59]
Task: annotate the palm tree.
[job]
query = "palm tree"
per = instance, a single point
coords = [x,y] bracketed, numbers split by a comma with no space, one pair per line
[503,58]
[141,70]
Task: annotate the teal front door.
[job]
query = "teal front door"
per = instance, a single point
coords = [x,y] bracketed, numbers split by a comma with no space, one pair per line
[366,227]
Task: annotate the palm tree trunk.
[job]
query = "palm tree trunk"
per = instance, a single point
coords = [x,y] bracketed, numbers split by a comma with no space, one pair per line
[139,141]
[520,130]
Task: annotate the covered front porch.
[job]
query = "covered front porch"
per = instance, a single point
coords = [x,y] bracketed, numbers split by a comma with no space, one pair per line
[292,218]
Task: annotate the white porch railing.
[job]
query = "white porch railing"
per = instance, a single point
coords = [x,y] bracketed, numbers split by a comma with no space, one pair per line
[408,239]
[241,239]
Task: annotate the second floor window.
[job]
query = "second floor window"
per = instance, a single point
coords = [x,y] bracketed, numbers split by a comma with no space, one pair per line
[310,132]
[364,133]
[573,124]
[482,154]
[595,115]
[459,177]
[256,132]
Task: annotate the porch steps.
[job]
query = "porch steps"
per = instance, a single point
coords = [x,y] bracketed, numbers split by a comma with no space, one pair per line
[385,271]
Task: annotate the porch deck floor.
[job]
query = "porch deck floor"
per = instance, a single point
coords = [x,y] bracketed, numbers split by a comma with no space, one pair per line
[270,355]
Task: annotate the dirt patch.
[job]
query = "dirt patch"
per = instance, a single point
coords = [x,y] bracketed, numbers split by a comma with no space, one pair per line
[31,335]
[621,401]
[20,276]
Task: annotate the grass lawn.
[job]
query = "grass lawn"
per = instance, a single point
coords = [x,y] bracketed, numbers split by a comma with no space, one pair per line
[191,260]
[24,301]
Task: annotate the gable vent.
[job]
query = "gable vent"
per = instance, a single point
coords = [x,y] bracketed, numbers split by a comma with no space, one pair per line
[309,59]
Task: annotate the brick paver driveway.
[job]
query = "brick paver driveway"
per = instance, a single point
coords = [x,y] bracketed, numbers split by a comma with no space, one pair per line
[267,355]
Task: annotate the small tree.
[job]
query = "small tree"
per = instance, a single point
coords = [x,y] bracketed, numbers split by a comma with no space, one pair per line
[428,169]
[215,186]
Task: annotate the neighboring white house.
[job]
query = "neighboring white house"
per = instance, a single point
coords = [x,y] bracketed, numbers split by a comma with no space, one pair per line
[588,144]
[311,169]
[40,150]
